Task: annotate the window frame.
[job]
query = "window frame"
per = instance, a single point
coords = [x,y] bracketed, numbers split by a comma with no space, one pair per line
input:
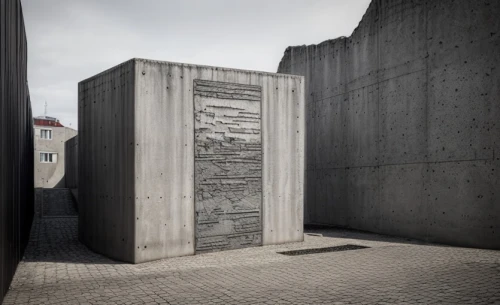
[48,131]
[49,158]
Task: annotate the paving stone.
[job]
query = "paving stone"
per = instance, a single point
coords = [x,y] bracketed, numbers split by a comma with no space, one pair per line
[58,269]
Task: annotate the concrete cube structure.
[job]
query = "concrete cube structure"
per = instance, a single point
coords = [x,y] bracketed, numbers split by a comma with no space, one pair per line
[178,159]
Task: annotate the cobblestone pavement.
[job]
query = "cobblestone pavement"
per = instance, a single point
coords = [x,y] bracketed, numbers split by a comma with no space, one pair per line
[58,202]
[57,269]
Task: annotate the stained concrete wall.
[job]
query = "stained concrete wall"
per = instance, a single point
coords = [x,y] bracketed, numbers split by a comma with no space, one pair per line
[159,132]
[402,122]
[16,143]
[50,175]
[71,163]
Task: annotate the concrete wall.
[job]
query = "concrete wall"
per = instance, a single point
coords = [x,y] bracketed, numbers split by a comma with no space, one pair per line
[106,156]
[16,143]
[161,145]
[402,122]
[49,175]
[71,163]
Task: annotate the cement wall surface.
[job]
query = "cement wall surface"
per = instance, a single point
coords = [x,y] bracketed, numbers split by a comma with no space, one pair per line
[403,122]
[160,141]
[16,143]
[51,175]
[106,176]
[71,163]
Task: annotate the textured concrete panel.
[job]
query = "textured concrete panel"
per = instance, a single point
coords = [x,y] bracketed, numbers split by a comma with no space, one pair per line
[415,86]
[228,165]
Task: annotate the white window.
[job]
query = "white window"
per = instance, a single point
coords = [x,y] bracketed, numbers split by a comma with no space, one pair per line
[48,157]
[46,134]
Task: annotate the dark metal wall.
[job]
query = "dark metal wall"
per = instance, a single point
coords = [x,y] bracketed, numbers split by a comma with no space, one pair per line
[16,143]
[71,163]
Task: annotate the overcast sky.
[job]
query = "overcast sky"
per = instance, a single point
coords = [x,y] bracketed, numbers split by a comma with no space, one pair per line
[70,40]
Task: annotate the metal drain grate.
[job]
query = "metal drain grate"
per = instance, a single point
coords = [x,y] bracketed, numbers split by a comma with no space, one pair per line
[322,250]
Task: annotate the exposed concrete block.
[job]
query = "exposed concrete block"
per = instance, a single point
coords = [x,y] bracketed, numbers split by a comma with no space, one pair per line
[403,208]
[330,130]
[360,108]
[363,197]
[142,188]
[402,38]
[403,119]
[472,188]
[460,122]
[324,211]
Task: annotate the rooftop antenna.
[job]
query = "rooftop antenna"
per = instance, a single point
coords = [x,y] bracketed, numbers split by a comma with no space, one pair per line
[45,111]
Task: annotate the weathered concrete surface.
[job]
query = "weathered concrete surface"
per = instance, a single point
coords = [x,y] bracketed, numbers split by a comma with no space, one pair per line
[136,165]
[16,143]
[403,122]
[51,175]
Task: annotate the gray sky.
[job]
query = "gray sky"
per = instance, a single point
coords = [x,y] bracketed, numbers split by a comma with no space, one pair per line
[70,40]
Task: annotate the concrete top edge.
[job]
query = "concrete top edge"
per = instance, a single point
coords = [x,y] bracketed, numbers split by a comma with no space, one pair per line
[189,65]
[106,71]
[332,41]
[371,6]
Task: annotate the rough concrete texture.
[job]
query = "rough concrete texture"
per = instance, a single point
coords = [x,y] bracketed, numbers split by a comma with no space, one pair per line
[137,157]
[16,142]
[57,269]
[50,175]
[228,165]
[403,122]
